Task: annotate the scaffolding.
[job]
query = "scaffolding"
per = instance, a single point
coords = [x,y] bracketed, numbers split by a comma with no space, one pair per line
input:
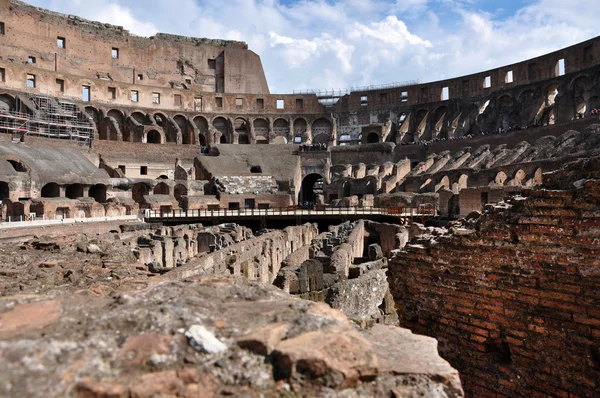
[49,118]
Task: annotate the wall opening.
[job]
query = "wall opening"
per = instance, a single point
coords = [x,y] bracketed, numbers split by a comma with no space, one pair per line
[509,77]
[487,82]
[372,138]
[161,189]
[312,185]
[98,192]
[256,169]
[445,94]
[17,165]
[4,190]
[74,191]
[51,190]
[559,70]
[153,137]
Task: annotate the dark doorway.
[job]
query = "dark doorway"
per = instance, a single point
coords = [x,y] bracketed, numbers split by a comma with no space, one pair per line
[51,190]
[311,185]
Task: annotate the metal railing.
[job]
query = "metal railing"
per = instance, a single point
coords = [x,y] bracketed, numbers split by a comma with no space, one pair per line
[342,92]
[294,211]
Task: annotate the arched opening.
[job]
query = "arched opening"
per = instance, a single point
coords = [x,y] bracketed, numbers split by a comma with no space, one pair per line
[4,190]
[551,93]
[444,183]
[241,130]
[537,177]
[300,126]
[179,191]
[98,192]
[7,102]
[138,192]
[202,124]
[261,130]
[281,128]
[118,116]
[463,182]
[519,178]
[162,189]
[74,191]
[94,114]
[500,178]
[372,138]
[346,189]
[139,117]
[280,140]
[321,126]
[187,134]
[162,177]
[256,169]
[160,120]
[153,137]
[17,165]
[312,186]
[51,190]
[220,124]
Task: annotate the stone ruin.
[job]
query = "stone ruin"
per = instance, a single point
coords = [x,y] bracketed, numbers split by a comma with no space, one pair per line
[97,300]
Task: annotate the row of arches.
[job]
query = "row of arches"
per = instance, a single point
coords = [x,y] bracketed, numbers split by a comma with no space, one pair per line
[202,130]
[74,191]
[501,178]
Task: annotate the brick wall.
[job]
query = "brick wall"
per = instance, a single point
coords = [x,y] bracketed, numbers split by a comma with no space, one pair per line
[516,305]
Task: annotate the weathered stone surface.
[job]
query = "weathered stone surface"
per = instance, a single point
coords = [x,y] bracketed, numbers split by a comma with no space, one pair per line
[375,252]
[131,343]
[360,298]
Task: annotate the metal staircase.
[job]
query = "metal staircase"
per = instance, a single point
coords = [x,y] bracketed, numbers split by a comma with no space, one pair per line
[46,117]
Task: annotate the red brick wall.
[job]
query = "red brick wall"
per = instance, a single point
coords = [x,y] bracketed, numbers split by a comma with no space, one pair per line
[527,282]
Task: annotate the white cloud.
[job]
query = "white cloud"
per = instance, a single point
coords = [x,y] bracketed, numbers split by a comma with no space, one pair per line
[344,43]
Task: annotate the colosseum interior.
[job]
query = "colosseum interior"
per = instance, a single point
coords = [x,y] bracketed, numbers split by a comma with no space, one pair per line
[171,228]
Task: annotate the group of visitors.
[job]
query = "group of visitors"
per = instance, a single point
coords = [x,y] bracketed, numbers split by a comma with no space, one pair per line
[312,147]
[204,149]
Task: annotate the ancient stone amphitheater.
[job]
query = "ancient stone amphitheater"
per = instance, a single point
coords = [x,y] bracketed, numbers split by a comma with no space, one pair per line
[169,228]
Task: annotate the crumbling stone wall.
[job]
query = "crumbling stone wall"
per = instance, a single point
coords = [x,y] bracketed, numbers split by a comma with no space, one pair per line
[514,303]
[257,259]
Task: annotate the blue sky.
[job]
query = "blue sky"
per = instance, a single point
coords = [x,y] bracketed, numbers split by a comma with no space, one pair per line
[328,44]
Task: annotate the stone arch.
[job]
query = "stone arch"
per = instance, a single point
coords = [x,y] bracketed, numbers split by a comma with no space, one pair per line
[94,114]
[119,118]
[98,192]
[240,126]
[503,103]
[202,125]
[4,190]
[139,117]
[74,191]
[307,191]
[222,126]
[7,102]
[322,126]
[160,119]
[50,190]
[154,137]
[300,129]
[179,191]
[161,189]
[537,177]
[519,177]
[443,183]
[500,178]
[462,182]
[372,138]
[281,128]
[526,97]
[139,190]
[261,130]
[17,164]
[187,134]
